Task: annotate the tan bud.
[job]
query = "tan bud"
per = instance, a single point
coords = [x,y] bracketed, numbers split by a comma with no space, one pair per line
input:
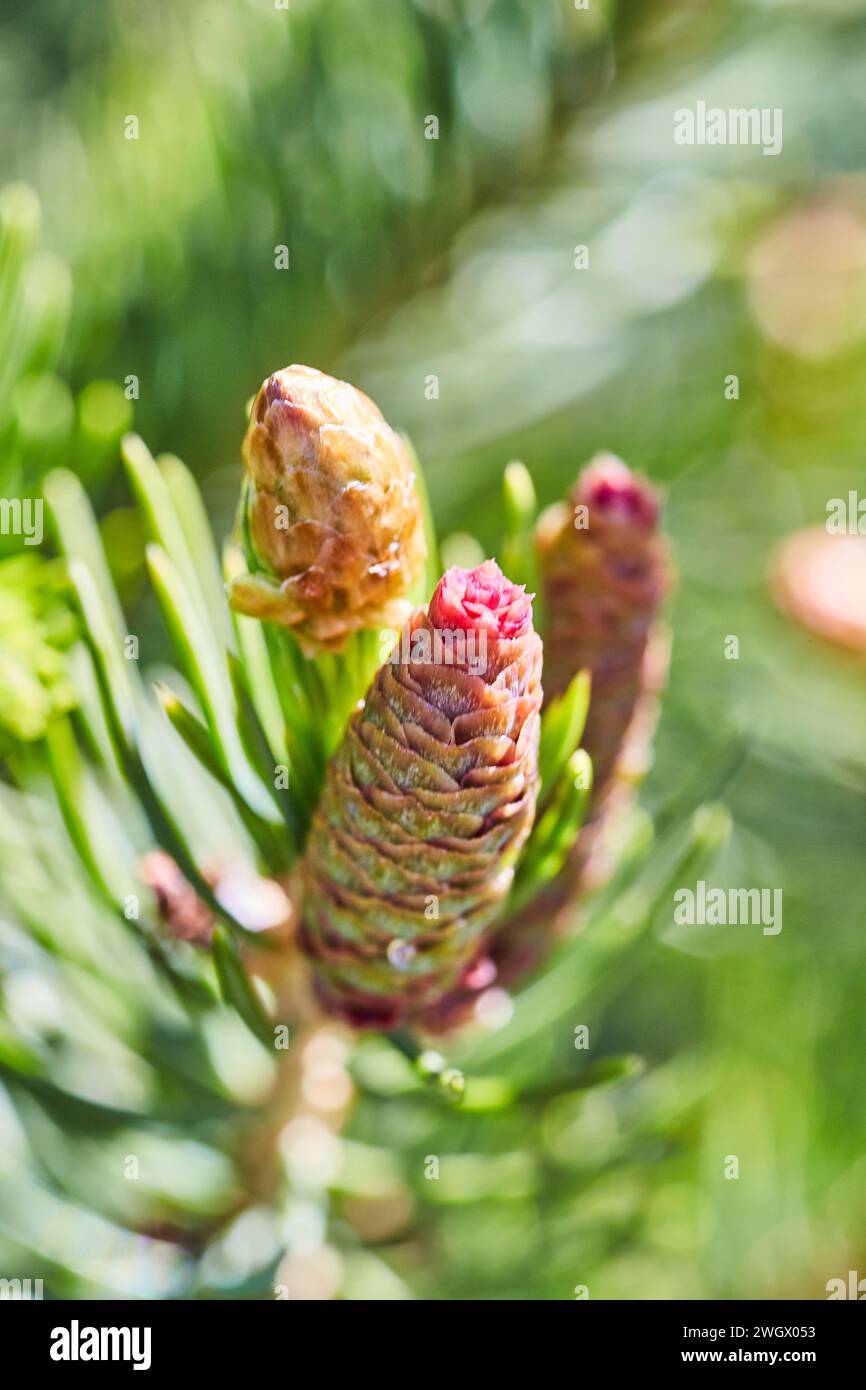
[332,520]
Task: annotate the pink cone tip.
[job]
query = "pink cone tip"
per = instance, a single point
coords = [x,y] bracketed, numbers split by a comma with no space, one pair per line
[608,486]
[481,599]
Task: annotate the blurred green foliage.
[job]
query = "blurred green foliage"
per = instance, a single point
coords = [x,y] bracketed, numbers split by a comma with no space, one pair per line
[261,127]
[41,423]
[36,626]
[455,259]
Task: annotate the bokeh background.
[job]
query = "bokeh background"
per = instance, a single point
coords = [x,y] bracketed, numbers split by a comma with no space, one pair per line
[452,258]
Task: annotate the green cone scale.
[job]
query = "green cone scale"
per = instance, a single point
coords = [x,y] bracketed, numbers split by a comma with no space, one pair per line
[427,805]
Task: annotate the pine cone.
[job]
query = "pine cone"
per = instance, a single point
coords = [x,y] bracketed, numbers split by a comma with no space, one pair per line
[331,513]
[605,571]
[604,582]
[427,804]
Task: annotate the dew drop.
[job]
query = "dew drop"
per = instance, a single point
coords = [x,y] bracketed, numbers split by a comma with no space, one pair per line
[400,953]
[453,1082]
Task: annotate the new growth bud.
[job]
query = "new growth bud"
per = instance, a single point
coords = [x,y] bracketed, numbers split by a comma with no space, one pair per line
[331,519]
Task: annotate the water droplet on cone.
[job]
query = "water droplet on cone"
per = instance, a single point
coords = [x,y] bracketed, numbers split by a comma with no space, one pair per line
[400,953]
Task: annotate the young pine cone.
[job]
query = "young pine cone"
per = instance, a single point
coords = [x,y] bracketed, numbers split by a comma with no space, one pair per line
[427,804]
[605,571]
[330,512]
